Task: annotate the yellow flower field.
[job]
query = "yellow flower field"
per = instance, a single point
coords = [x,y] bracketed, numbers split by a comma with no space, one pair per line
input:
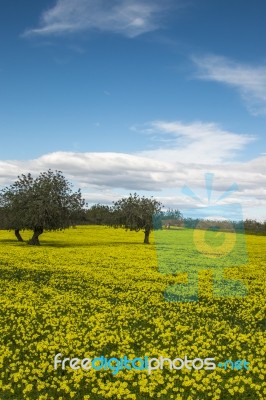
[97,291]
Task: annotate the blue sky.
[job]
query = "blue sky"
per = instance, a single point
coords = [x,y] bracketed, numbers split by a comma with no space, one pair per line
[140,95]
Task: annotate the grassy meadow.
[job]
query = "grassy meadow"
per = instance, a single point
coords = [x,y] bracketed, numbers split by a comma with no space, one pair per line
[93,291]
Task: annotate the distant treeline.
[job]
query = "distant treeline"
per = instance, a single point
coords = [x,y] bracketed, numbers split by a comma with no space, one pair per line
[100,215]
[250,226]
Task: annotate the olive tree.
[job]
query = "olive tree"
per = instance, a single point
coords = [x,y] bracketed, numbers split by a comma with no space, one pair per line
[136,213]
[43,203]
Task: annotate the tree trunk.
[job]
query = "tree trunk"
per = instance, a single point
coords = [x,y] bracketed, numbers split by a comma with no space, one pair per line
[18,235]
[38,230]
[146,236]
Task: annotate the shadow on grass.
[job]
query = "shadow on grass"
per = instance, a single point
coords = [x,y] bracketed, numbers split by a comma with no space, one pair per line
[89,244]
[9,241]
[46,243]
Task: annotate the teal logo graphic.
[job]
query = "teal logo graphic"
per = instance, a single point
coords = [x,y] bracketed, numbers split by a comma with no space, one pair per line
[212,238]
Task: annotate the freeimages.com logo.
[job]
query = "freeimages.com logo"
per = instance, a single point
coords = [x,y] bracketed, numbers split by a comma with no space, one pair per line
[210,245]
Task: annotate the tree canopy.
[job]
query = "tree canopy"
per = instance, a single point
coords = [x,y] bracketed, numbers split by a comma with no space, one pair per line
[171,217]
[136,213]
[98,214]
[43,203]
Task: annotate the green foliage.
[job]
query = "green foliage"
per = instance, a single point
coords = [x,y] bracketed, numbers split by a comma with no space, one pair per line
[98,214]
[135,213]
[172,214]
[15,200]
[255,227]
[46,201]
[171,217]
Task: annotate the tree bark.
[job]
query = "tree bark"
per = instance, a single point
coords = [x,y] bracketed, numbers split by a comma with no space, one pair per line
[34,241]
[146,236]
[18,235]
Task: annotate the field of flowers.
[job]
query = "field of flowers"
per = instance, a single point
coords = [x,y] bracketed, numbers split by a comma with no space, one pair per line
[94,291]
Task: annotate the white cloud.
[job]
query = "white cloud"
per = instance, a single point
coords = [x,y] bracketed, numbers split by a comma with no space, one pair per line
[190,151]
[249,80]
[101,170]
[127,17]
[197,142]
[104,177]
